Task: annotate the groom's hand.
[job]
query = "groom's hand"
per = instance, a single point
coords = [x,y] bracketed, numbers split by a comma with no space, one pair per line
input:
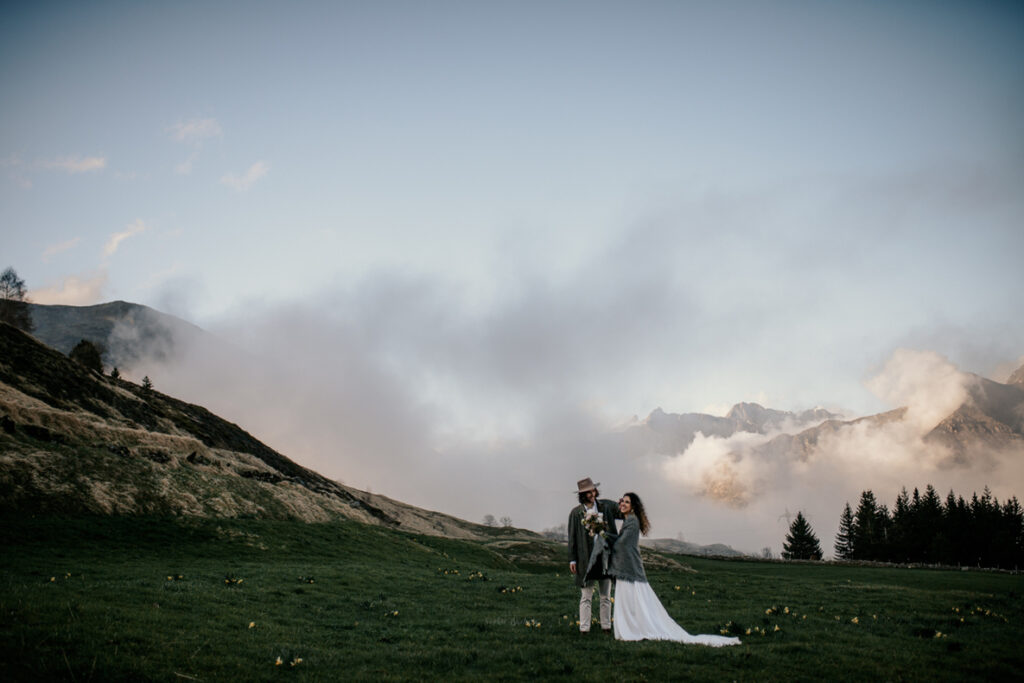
[572,567]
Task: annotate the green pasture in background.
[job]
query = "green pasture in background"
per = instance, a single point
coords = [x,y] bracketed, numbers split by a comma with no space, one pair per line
[108,599]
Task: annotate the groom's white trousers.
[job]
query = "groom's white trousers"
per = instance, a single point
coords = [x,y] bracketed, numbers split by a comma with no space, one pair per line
[586,604]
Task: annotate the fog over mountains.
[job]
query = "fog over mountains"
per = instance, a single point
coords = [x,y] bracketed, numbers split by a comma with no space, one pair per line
[337,405]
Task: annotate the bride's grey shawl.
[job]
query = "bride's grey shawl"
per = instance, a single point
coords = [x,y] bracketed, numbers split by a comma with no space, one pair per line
[625,562]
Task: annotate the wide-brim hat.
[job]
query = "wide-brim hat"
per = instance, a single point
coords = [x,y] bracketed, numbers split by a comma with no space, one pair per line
[584,485]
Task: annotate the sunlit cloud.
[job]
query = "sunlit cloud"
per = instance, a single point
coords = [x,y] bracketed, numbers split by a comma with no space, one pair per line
[244,181]
[115,240]
[75,164]
[55,249]
[926,382]
[194,131]
[75,290]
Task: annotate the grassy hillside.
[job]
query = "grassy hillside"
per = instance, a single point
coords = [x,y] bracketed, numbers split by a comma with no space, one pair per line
[117,598]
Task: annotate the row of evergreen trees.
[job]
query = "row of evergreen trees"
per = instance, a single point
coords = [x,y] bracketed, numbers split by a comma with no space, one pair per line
[922,528]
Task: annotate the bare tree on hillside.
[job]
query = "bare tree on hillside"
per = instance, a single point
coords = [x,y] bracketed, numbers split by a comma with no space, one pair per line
[14,302]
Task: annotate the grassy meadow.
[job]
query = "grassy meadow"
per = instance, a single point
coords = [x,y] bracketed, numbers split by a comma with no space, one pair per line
[108,599]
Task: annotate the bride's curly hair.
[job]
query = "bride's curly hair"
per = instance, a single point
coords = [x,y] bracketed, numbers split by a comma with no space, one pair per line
[638,510]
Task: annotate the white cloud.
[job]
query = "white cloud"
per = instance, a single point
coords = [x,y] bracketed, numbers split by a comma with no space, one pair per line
[75,164]
[251,175]
[115,240]
[55,249]
[76,290]
[194,131]
[185,167]
[926,382]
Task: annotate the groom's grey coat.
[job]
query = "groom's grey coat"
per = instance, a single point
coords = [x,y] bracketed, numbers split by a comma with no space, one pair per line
[580,542]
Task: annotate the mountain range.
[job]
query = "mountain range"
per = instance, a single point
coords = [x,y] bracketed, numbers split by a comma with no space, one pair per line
[673,433]
[990,419]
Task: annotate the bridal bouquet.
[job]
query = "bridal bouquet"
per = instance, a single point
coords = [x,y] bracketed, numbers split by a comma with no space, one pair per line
[594,523]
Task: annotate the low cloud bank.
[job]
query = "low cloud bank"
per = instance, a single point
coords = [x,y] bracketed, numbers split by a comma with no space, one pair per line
[340,395]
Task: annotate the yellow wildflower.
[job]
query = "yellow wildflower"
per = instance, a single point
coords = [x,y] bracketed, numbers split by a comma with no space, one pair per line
[252,624]
[278,662]
[776,629]
[855,620]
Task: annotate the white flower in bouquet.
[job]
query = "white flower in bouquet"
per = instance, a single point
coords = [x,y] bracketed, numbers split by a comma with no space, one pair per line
[594,522]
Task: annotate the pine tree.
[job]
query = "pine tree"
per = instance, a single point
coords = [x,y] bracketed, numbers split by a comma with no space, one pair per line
[929,517]
[147,384]
[843,545]
[899,541]
[883,532]
[864,540]
[88,354]
[801,543]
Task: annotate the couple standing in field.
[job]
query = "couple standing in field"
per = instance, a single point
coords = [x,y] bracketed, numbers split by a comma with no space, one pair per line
[599,555]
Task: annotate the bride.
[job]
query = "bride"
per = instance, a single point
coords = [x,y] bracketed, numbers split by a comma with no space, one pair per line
[638,613]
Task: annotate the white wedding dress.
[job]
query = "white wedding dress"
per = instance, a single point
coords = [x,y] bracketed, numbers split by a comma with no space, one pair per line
[638,614]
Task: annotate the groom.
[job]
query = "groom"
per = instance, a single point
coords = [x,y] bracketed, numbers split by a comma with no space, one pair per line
[581,544]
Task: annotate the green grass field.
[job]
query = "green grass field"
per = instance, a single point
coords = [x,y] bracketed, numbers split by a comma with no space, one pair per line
[107,599]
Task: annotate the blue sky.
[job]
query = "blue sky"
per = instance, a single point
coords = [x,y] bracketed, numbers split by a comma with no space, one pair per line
[621,205]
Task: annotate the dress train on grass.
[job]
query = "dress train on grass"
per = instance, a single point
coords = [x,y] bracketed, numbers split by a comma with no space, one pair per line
[639,615]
